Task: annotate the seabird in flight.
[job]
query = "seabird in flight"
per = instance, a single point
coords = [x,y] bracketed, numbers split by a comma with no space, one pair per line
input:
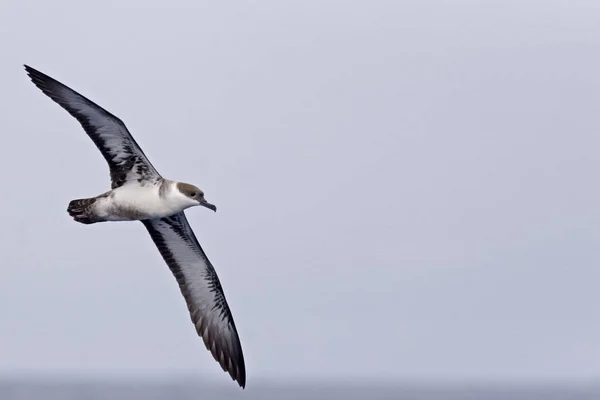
[139,193]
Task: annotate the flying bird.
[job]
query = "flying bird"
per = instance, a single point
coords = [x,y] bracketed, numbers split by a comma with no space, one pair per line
[139,193]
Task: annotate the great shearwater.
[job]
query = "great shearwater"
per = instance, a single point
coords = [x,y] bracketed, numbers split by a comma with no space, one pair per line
[139,193]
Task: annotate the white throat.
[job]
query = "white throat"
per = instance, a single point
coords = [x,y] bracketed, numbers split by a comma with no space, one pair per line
[178,199]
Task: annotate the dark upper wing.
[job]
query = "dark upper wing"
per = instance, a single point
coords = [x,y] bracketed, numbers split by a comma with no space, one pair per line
[125,158]
[202,290]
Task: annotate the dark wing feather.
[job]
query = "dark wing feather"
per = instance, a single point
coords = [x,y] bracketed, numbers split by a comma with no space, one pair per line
[202,291]
[124,156]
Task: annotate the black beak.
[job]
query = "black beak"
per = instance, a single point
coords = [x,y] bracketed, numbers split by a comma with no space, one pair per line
[206,204]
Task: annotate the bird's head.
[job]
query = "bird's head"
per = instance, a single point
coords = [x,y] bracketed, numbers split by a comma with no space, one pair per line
[194,196]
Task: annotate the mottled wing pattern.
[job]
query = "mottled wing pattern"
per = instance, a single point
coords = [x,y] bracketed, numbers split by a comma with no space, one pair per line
[125,158]
[202,291]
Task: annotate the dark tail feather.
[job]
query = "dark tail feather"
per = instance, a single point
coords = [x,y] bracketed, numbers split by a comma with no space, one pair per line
[81,210]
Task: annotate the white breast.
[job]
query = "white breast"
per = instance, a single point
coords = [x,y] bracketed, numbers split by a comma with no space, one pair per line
[134,202]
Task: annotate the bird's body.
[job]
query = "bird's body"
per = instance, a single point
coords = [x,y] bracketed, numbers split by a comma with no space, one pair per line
[138,201]
[139,193]
[134,201]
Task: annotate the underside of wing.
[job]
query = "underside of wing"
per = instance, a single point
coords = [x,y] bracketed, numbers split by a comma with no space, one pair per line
[202,291]
[124,156]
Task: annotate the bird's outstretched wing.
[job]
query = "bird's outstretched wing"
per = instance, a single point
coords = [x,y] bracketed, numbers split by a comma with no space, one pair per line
[124,156]
[202,291]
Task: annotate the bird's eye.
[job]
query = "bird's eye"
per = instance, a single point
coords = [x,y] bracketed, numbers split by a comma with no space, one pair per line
[193,194]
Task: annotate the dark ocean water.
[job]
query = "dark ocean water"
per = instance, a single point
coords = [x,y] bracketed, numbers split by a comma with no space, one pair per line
[29,390]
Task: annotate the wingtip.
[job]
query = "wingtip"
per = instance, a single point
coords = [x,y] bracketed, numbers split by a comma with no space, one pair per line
[237,373]
[32,73]
[240,377]
[241,380]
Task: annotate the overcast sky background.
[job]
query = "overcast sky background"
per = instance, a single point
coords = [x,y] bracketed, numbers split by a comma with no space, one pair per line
[406,189]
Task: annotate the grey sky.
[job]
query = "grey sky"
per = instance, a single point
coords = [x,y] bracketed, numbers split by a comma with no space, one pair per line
[405,188]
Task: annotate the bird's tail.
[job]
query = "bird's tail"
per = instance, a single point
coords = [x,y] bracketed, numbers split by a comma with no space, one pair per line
[82,210]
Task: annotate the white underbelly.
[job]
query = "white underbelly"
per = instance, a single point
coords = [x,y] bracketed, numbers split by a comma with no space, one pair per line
[133,202]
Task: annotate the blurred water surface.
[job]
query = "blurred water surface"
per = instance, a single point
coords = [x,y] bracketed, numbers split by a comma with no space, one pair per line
[31,390]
